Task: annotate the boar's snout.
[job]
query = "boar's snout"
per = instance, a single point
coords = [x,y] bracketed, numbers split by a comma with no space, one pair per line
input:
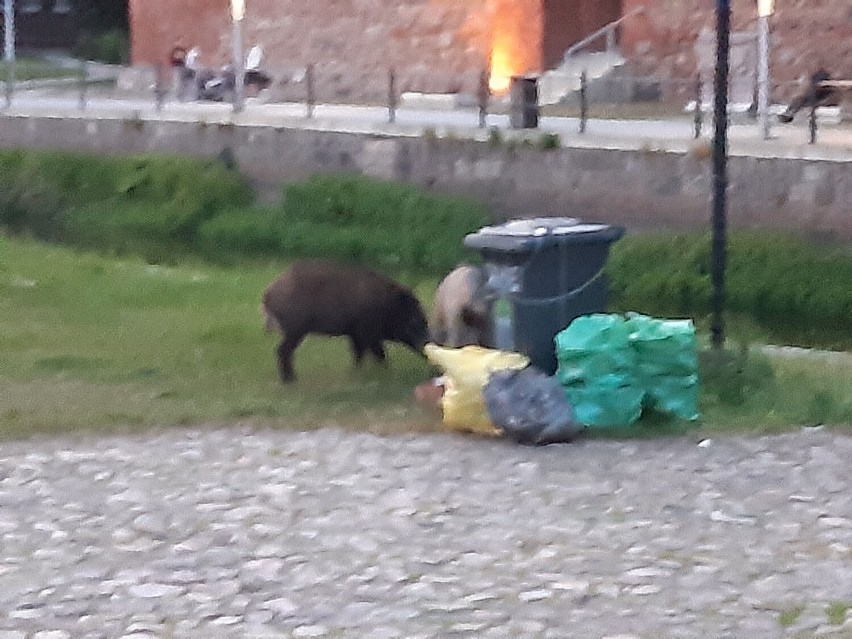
[413,330]
[416,334]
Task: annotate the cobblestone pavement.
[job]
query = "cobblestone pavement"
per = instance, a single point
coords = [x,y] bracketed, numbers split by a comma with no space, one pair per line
[253,533]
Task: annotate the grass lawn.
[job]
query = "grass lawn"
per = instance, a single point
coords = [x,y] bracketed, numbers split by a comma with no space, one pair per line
[90,342]
[36,69]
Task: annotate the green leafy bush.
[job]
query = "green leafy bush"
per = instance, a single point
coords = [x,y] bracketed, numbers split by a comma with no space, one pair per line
[164,208]
[386,225]
[240,233]
[781,281]
[150,205]
[549,141]
[732,377]
[111,47]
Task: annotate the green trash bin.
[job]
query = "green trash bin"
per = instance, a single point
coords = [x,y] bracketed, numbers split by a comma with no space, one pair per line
[550,271]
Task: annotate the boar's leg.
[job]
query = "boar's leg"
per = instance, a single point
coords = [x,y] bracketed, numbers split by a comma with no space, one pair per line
[358,348]
[367,337]
[285,356]
[378,350]
[361,344]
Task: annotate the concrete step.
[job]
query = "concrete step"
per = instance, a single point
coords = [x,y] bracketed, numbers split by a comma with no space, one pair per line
[556,84]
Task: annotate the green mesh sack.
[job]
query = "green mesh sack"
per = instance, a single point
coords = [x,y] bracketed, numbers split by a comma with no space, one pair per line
[593,346]
[666,363]
[673,395]
[663,347]
[611,366]
[595,366]
[606,402]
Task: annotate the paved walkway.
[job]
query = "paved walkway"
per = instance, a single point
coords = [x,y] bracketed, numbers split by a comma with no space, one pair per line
[243,533]
[834,140]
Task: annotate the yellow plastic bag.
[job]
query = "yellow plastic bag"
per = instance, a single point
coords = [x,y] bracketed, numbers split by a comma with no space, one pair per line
[466,372]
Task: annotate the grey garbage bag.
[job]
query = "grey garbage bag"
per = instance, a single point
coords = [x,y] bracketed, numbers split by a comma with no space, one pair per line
[530,407]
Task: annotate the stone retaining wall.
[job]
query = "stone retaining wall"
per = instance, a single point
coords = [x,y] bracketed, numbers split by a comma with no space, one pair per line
[641,188]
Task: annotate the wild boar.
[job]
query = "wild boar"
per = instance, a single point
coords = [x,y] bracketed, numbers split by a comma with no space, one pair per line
[326,298]
[461,313]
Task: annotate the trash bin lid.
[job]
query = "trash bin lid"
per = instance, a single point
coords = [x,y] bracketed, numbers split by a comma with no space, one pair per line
[527,234]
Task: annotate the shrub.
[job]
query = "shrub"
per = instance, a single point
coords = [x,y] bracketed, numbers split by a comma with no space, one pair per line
[240,233]
[31,194]
[111,47]
[549,141]
[383,224]
[731,377]
[781,281]
[114,204]
[164,207]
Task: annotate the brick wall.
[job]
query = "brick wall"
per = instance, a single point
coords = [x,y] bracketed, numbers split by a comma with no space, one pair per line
[434,45]
[442,45]
[158,25]
[804,34]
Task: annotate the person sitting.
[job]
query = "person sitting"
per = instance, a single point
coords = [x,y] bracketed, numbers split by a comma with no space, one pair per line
[255,79]
[177,61]
[813,95]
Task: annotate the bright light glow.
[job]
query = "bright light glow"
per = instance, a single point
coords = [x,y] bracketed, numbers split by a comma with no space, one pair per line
[501,72]
[238,9]
[765,8]
[511,52]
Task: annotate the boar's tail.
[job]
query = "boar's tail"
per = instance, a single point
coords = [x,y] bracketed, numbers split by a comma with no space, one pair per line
[271,324]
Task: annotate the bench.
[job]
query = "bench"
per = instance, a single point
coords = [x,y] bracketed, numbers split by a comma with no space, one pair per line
[843,87]
[837,84]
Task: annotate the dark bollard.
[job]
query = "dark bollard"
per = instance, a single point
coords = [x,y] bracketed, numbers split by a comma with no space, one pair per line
[391,97]
[159,88]
[583,105]
[482,95]
[84,79]
[10,82]
[812,126]
[309,86]
[697,115]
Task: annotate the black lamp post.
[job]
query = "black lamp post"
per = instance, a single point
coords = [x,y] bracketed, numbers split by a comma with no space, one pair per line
[9,47]
[238,12]
[720,168]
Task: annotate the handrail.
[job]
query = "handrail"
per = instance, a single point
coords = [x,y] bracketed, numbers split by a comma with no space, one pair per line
[607,29]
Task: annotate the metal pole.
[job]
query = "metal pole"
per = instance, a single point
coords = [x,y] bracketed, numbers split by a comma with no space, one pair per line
[391,96]
[83,82]
[763,75]
[812,123]
[583,105]
[159,88]
[9,48]
[697,116]
[720,171]
[239,67]
[311,98]
[483,94]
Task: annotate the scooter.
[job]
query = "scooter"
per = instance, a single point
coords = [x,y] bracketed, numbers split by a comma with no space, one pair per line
[216,86]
